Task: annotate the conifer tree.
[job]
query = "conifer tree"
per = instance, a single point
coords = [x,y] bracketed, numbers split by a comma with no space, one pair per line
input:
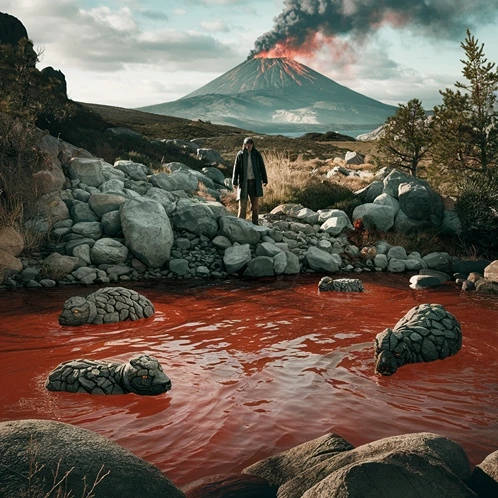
[465,131]
[407,137]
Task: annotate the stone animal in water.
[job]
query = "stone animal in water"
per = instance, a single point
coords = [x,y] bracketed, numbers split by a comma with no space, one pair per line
[426,333]
[106,305]
[340,285]
[141,375]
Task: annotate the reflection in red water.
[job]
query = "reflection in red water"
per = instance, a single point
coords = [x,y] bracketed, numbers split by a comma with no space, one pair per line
[257,367]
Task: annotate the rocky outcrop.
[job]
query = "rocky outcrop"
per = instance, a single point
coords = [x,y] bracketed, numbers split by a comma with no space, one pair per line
[11,29]
[426,333]
[85,455]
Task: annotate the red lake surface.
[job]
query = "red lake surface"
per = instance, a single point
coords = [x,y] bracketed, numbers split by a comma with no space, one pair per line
[257,367]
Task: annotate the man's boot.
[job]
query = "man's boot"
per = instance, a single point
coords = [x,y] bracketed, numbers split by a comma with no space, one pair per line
[255,219]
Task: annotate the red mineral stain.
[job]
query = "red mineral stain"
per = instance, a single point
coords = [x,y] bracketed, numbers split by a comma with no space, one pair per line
[257,367]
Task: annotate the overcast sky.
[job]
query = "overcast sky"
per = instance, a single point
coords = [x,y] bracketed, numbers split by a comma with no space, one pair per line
[133,53]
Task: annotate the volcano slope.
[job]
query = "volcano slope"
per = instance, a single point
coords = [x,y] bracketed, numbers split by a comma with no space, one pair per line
[277,94]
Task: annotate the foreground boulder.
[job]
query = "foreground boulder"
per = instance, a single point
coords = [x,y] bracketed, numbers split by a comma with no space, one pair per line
[340,285]
[147,231]
[84,454]
[230,485]
[484,479]
[141,375]
[412,466]
[281,468]
[426,333]
[106,305]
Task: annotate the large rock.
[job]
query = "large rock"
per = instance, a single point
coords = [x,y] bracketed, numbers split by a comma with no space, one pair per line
[92,229]
[281,468]
[52,208]
[108,252]
[82,212]
[239,230]
[260,266]
[230,486]
[267,249]
[319,260]
[209,155]
[353,157]
[336,224]
[11,241]
[215,174]
[57,266]
[287,209]
[165,198]
[412,465]
[83,454]
[393,180]
[111,223]
[134,171]
[375,216]
[405,225]
[414,201]
[48,181]
[438,261]
[105,203]
[491,272]
[178,180]
[387,200]
[484,478]
[292,265]
[371,192]
[451,222]
[87,170]
[9,265]
[236,257]
[217,208]
[195,217]
[147,231]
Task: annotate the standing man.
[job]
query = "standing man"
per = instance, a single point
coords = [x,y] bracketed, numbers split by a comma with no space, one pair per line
[249,176]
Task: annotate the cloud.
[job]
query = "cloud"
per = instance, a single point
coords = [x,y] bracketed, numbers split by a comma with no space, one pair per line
[214,26]
[107,40]
[154,15]
[217,2]
[180,12]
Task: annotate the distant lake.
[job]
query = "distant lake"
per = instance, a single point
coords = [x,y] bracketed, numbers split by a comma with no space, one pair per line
[351,133]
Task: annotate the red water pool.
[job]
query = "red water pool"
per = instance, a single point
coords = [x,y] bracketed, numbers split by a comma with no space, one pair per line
[257,367]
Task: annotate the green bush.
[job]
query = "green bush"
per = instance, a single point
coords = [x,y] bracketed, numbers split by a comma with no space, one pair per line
[477,208]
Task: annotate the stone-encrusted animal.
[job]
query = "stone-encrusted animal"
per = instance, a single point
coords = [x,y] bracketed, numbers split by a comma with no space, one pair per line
[426,333]
[340,285]
[141,375]
[106,305]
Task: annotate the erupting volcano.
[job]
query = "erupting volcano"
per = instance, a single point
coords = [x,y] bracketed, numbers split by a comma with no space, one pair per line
[277,94]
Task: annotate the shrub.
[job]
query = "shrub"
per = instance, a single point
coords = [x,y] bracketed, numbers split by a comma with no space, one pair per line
[477,208]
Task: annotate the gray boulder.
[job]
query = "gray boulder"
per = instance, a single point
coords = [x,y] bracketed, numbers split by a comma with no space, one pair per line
[438,261]
[82,212]
[217,208]
[308,216]
[112,186]
[52,208]
[387,200]
[484,478]
[84,455]
[451,222]
[375,216]
[104,203]
[108,252]
[179,267]
[236,257]
[82,252]
[336,224]
[260,266]
[165,198]
[414,200]
[411,465]
[92,229]
[370,192]
[491,272]
[354,158]
[319,260]
[134,171]
[424,282]
[111,223]
[57,266]
[397,252]
[292,267]
[111,173]
[195,217]
[87,170]
[147,231]
[178,180]
[283,467]
[209,155]
[393,180]
[267,249]
[72,244]
[239,230]
[215,174]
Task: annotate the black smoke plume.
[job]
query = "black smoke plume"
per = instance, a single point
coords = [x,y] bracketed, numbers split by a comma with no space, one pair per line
[444,19]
